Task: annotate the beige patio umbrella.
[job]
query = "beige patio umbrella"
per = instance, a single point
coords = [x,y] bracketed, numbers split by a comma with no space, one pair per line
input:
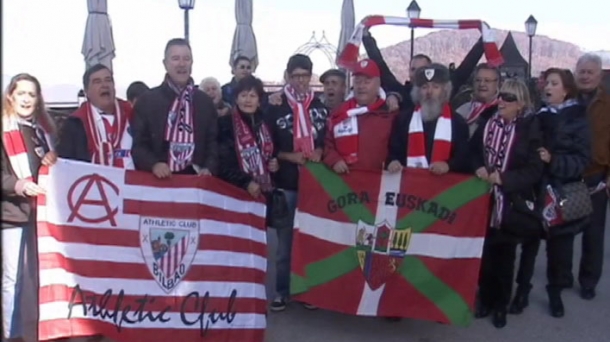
[244,41]
[98,44]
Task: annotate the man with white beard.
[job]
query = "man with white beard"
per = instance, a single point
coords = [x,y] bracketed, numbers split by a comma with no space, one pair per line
[431,135]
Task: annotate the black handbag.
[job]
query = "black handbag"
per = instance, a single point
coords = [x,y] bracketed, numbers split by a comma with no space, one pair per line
[522,217]
[279,216]
[573,201]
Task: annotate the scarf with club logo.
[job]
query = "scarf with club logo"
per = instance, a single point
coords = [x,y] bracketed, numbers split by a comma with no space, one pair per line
[108,143]
[344,124]
[302,128]
[254,150]
[15,146]
[441,149]
[180,128]
[498,138]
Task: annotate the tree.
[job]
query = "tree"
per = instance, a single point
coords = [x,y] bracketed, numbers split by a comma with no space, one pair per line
[169,236]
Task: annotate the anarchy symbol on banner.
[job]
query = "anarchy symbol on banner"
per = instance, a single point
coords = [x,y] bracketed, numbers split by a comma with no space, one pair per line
[75,205]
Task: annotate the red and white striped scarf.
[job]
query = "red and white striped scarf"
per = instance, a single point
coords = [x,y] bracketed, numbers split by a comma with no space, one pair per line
[109,144]
[477,108]
[416,146]
[180,128]
[15,147]
[344,123]
[349,55]
[253,154]
[498,138]
[302,125]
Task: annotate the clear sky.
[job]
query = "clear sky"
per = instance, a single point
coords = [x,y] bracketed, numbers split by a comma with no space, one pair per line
[44,37]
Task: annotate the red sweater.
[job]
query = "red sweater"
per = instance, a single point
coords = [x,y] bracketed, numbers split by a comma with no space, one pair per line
[373,136]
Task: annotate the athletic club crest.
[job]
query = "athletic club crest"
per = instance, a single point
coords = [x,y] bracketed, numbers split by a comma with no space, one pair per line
[381,249]
[169,247]
[429,73]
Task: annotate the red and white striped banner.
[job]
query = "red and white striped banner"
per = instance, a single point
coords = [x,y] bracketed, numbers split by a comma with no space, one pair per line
[137,259]
[349,56]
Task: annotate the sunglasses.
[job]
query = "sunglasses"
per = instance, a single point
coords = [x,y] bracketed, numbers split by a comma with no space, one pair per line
[508,97]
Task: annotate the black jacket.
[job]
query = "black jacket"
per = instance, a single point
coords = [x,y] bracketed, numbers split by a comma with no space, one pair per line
[459,160]
[459,77]
[570,147]
[280,119]
[524,170]
[229,169]
[150,117]
[525,167]
[72,142]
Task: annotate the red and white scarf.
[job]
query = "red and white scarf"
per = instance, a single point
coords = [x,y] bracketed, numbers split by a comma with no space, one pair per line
[15,147]
[253,154]
[349,55]
[303,133]
[477,108]
[180,128]
[498,139]
[109,143]
[416,146]
[344,122]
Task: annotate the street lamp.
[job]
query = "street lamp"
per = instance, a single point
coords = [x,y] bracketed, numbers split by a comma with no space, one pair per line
[530,28]
[81,97]
[186,5]
[413,12]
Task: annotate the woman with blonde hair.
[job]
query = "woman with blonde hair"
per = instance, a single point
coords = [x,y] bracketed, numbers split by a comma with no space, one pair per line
[27,144]
[505,150]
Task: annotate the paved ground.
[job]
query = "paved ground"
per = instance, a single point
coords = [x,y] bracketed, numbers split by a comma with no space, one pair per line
[585,321]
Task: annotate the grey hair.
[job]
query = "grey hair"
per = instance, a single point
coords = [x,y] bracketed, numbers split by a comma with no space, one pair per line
[447,90]
[209,80]
[590,57]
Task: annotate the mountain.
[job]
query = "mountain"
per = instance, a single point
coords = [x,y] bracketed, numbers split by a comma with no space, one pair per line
[451,46]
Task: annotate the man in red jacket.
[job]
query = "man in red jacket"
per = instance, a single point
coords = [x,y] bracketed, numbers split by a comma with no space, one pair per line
[359,129]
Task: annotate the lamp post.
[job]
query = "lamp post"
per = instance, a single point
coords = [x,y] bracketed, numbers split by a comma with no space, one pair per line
[81,97]
[530,28]
[413,12]
[186,5]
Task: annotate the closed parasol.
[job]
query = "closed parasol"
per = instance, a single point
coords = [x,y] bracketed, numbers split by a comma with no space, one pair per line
[244,41]
[98,45]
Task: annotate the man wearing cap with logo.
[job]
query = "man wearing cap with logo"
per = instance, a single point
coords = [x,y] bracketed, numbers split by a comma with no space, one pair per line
[359,129]
[335,88]
[443,146]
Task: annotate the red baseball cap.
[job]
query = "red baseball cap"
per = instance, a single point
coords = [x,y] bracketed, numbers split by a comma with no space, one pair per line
[366,67]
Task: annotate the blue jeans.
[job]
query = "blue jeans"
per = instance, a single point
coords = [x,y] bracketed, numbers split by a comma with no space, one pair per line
[14,242]
[284,250]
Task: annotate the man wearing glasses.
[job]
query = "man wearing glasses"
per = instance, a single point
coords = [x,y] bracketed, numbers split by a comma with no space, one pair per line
[298,125]
[484,101]
[242,67]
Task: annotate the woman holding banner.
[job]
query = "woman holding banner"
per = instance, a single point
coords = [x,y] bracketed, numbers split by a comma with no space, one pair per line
[26,145]
[246,151]
[506,156]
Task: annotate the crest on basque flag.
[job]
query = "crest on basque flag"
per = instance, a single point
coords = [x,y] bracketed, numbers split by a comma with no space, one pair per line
[380,250]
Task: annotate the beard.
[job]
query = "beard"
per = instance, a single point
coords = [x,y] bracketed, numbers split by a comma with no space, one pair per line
[431,109]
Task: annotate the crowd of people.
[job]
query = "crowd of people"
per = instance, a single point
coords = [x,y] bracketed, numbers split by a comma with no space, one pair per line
[538,161]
